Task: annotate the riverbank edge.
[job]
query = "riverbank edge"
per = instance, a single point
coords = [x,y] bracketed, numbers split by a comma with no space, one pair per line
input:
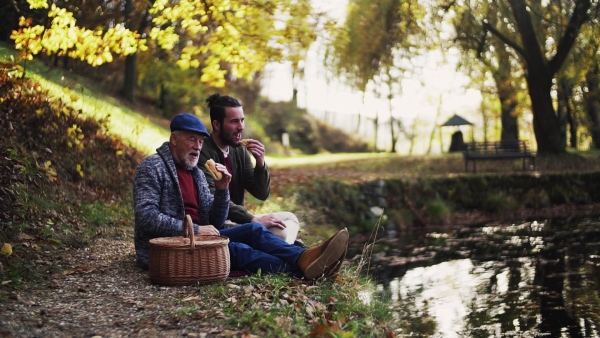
[464,200]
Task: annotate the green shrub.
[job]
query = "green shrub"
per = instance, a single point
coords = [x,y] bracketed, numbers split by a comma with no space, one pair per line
[497,202]
[437,210]
[536,198]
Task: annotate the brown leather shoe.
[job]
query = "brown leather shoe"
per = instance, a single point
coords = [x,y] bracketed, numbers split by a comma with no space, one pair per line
[333,270]
[315,260]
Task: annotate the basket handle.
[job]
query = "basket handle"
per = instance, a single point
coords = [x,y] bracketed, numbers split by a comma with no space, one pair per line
[188,231]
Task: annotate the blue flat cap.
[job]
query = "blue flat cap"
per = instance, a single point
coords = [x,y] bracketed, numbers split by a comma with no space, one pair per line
[189,122]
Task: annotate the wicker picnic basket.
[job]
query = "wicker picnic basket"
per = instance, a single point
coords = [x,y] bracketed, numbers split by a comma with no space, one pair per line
[188,259]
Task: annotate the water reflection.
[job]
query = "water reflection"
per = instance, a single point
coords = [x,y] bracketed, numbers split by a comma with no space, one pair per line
[538,279]
[444,289]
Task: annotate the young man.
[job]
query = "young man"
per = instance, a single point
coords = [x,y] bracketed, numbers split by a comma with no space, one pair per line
[168,185]
[224,146]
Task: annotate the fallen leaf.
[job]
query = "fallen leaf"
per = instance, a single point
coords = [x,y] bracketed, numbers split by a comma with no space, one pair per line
[24,237]
[319,330]
[6,249]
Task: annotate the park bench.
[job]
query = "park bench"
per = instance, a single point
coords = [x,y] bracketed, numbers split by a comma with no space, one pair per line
[516,149]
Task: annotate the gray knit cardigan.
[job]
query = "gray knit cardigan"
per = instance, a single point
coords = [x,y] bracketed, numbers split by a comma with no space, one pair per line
[158,203]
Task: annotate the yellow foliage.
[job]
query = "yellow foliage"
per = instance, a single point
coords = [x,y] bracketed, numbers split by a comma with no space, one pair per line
[50,172]
[64,37]
[240,33]
[79,170]
[75,136]
[6,249]
[35,4]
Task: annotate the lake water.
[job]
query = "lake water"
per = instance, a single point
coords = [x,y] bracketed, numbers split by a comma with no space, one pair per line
[534,279]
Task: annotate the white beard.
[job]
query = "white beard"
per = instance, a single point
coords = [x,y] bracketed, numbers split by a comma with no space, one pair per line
[188,163]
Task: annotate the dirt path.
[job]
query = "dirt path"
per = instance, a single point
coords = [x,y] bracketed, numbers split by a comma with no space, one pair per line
[103,295]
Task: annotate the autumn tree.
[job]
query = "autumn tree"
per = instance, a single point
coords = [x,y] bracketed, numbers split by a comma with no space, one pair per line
[60,35]
[402,41]
[589,83]
[374,44]
[490,58]
[299,32]
[544,34]
[222,39]
[350,54]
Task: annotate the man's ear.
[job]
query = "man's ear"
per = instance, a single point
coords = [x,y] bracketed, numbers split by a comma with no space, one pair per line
[216,125]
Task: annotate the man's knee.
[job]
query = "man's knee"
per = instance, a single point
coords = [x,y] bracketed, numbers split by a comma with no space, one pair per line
[286,216]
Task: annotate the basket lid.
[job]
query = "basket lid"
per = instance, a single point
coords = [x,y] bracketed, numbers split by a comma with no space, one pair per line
[180,241]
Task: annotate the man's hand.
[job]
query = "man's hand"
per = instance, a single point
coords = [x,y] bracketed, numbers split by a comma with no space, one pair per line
[223,183]
[257,150]
[207,230]
[269,221]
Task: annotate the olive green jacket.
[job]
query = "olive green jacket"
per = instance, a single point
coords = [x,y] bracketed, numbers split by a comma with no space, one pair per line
[245,177]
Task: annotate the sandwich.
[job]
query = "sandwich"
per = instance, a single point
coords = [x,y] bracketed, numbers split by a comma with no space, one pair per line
[212,168]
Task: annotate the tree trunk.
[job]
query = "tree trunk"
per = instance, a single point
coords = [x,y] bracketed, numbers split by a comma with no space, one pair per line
[357,132]
[435,126]
[564,95]
[393,134]
[295,97]
[130,78]
[573,143]
[130,73]
[510,123]
[546,125]
[506,94]
[592,100]
[376,125]
[485,119]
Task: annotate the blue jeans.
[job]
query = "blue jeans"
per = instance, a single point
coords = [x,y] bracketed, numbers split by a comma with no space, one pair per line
[253,247]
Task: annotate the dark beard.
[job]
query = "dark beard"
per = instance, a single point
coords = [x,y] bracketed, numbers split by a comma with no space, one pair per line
[228,141]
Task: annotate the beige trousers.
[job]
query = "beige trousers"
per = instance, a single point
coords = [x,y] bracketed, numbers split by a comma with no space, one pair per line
[292,226]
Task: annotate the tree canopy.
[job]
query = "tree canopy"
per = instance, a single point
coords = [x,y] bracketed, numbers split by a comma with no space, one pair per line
[220,37]
[374,41]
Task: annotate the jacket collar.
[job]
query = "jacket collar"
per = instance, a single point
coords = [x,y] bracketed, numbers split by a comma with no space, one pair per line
[164,151]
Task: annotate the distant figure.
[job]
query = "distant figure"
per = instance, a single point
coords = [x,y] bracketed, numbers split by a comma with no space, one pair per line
[457,143]
[285,139]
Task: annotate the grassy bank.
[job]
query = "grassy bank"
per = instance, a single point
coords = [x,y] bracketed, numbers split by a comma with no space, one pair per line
[66,178]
